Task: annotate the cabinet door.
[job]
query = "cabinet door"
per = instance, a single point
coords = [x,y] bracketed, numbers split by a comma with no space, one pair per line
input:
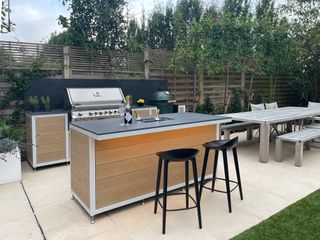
[50,139]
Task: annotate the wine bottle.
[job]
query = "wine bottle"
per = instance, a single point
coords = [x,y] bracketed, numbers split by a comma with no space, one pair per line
[128,113]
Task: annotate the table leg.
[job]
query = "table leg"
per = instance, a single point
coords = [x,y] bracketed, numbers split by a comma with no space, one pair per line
[264,142]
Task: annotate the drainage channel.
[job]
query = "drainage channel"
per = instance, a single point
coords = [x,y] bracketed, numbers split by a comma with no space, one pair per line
[34,214]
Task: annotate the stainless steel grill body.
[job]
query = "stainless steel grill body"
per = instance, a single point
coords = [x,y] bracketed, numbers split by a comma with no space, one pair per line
[95,103]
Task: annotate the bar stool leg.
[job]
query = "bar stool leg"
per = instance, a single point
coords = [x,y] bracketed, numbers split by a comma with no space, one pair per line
[226,173]
[157,186]
[165,187]
[187,182]
[204,169]
[236,163]
[196,187]
[215,167]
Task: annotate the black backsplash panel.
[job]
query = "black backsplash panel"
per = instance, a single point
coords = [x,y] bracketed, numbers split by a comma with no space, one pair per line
[56,88]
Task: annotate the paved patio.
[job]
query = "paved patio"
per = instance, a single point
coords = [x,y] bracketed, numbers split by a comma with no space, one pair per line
[267,189]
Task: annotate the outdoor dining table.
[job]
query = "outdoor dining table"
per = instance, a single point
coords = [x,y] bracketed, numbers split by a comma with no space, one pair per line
[271,116]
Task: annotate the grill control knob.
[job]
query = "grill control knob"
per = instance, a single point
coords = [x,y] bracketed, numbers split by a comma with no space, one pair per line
[100,113]
[80,114]
[95,113]
[106,112]
[110,112]
[115,111]
[90,113]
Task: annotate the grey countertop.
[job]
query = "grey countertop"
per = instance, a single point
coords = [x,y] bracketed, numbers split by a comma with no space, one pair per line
[52,112]
[115,126]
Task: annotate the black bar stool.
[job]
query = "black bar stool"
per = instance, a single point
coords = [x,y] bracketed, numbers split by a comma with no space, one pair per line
[177,155]
[222,145]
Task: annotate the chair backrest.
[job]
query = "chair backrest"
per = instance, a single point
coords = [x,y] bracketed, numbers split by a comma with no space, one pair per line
[257,107]
[272,105]
[313,105]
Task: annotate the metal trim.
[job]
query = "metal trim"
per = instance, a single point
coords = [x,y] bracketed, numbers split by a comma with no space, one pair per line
[81,203]
[92,176]
[146,131]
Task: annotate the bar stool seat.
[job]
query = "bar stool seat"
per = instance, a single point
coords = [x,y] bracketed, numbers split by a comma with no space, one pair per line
[224,146]
[181,154]
[177,155]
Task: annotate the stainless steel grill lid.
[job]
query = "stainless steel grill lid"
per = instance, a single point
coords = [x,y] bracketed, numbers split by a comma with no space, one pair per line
[84,98]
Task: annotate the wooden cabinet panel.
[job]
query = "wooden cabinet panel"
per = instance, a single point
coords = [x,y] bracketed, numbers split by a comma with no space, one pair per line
[127,167]
[50,138]
[80,166]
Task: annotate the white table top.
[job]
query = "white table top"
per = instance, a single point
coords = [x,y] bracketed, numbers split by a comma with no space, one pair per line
[274,115]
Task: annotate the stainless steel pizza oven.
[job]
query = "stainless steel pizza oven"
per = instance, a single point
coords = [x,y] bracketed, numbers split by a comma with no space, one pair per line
[95,103]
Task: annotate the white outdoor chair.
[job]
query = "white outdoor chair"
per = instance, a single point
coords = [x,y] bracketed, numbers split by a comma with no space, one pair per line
[274,127]
[272,105]
[315,119]
[257,107]
[314,105]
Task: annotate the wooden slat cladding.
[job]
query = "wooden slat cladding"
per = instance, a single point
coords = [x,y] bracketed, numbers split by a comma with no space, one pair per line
[126,167]
[29,137]
[51,139]
[158,136]
[80,166]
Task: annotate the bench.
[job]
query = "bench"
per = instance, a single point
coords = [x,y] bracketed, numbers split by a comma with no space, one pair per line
[299,138]
[314,125]
[228,128]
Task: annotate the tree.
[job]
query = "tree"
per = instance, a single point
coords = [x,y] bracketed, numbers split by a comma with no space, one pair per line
[135,37]
[6,25]
[189,54]
[160,28]
[273,42]
[186,12]
[304,18]
[96,23]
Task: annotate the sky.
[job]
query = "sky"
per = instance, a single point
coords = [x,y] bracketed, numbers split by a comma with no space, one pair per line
[36,19]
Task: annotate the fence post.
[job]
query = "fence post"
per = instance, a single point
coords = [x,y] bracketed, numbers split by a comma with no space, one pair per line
[146,61]
[201,88]
[243,87]
[66,62]
[270,87]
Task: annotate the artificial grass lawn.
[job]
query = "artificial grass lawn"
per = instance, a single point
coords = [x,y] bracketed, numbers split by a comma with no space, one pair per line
[300,220]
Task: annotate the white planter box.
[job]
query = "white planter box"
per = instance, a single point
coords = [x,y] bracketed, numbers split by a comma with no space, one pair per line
[10,170]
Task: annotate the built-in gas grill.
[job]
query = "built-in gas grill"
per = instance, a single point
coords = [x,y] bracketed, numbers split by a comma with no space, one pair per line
[95,103]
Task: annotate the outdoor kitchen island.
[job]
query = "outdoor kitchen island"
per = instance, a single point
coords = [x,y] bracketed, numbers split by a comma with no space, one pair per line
[113,165]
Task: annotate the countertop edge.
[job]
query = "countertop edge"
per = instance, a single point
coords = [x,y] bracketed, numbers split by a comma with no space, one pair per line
[109,136]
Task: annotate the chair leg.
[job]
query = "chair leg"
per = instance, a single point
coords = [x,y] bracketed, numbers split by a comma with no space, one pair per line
[226,173]
[165,187]
[204,169]
[236,163]
[215,167]
[196,187]
[157,186]
[187,182]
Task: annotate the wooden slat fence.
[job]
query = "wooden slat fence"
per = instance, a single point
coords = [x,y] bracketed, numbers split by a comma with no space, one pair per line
[91,63]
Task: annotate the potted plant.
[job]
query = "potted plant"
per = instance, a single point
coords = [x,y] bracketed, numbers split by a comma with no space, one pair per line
[34,102]
[45,100]
[10,158]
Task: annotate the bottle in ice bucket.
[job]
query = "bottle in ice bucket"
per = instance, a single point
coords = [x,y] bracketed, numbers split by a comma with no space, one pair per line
[128,111]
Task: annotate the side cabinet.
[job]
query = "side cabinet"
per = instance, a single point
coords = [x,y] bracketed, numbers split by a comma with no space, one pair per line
[47,139]
[146,111]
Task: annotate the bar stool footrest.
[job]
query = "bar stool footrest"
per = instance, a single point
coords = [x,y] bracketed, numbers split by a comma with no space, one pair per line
[223,179]
[178,209]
